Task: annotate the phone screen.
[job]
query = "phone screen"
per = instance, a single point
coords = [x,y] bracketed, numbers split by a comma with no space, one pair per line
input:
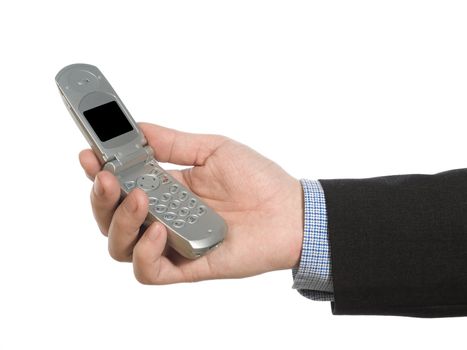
[108,121]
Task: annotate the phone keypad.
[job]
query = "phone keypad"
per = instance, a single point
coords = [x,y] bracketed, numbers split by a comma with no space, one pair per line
[183,216]
[174,206]
[175,218]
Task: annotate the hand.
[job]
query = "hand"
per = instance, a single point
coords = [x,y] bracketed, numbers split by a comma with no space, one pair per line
[260,202]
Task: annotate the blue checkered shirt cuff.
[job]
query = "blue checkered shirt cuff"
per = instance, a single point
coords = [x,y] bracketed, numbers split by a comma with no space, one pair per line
[313,277]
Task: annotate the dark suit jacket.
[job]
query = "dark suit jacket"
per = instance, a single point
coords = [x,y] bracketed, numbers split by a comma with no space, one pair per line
[399,244]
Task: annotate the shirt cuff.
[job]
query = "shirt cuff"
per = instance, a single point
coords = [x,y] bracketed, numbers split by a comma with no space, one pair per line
[313,277]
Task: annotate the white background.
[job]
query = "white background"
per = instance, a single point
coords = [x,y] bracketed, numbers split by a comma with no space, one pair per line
[327,89]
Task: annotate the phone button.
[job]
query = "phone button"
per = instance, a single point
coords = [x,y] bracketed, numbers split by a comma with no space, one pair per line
[192,203]
[153,201]
[183,196]
[184,211]
[148,182]
[166,197]
[169,216]
[178,223]
[165,179]
[174,205]
[129,185]
[160,208]
[174,189]
[192,219]
[201,210]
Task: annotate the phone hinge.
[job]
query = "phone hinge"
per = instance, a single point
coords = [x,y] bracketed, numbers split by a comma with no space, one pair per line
[124,161]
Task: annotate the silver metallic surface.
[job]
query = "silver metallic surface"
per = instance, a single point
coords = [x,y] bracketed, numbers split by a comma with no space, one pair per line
[194,228]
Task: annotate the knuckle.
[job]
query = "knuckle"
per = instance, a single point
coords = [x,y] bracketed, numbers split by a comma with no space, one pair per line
[125,229]
[143,278]
[219,137]
[218,140]
[147,274]
[117,256]
[222,138]
[121,222]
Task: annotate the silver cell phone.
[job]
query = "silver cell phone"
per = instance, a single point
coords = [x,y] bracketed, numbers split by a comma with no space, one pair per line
[121,147]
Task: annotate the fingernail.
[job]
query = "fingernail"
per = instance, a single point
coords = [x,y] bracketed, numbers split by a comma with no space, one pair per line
[154,232]
[98,189]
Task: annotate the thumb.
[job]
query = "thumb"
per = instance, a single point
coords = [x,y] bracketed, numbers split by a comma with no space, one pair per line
[178,147]
[152,267]
[147,254]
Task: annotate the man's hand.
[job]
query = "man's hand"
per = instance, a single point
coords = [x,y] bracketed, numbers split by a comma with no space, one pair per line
[260,202]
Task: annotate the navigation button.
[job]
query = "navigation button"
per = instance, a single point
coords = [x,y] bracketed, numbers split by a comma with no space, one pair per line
[148,182]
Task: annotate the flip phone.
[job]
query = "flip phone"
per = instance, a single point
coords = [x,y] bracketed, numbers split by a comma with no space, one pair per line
[193,227]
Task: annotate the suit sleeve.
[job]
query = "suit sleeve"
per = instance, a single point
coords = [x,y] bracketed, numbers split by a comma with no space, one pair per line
[399,244]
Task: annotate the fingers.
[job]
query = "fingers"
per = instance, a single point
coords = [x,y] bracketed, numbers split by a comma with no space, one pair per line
[105,195]
[179,147]
[125,225]
[169,145]
[122,225]
[151,267]
[90,163]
